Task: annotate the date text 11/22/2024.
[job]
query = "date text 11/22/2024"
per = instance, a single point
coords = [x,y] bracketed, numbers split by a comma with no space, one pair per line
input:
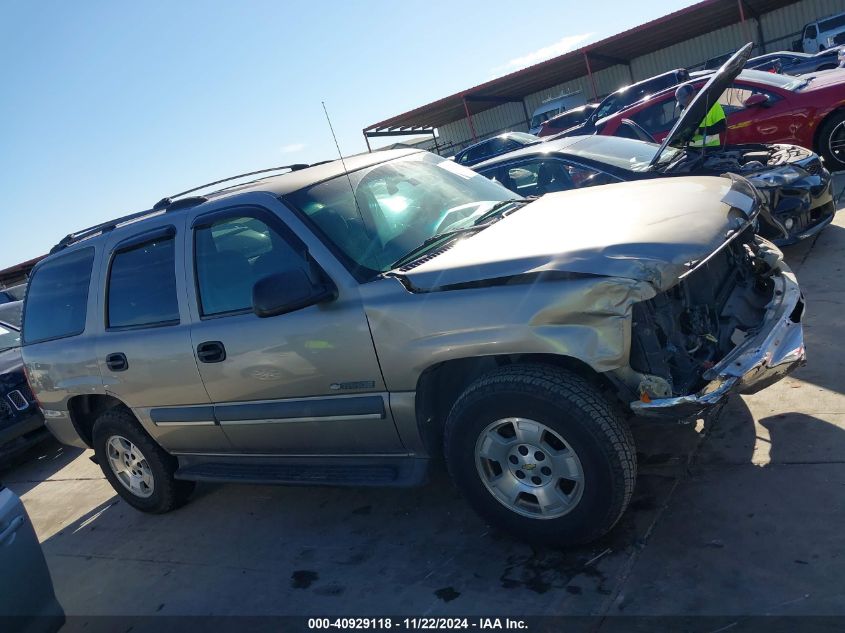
[430,624]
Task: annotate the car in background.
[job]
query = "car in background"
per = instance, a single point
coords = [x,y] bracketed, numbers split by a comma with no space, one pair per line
[822,34]
[624,97]
[552,107]
[567,120]
[501,144]
[761,107]
[21,421]
[796,186]
[789,63]
[12,293]
[27,599]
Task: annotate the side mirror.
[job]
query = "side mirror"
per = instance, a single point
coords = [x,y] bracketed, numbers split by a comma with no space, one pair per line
[756,100]
[288,291]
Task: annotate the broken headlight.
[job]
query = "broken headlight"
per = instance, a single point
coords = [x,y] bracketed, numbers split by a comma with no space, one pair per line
[781,176]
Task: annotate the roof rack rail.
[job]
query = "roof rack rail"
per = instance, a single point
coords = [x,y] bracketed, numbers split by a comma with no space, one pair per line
[170,203]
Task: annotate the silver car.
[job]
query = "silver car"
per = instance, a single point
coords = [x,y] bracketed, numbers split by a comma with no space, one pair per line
[27,601]
[349,322]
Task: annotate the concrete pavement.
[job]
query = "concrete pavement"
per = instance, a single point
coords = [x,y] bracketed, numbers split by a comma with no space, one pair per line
[741,519]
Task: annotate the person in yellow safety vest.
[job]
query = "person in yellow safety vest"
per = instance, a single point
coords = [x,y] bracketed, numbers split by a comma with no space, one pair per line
[713,125]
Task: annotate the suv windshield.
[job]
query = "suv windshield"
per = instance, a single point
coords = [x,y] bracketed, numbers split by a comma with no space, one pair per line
[397,206]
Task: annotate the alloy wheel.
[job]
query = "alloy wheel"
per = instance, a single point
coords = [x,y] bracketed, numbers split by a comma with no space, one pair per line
[130,466]
[529,468]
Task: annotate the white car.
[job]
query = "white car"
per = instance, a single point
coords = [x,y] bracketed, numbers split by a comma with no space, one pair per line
[823,34]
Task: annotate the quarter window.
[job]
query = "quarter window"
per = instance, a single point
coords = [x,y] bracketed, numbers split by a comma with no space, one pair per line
[234,253]
[58,297]
[142,286]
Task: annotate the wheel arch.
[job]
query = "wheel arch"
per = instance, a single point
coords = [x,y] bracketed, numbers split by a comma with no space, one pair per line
[839,110]
[439,386]
[84,411]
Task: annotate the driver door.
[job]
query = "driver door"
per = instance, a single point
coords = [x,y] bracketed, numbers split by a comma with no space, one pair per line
[810,39]
[303,382]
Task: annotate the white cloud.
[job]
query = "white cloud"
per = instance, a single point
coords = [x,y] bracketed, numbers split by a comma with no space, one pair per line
[560,47]
[293,147]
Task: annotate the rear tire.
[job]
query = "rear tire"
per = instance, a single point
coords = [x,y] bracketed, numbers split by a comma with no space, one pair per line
[831,142]
[138,469]
[576,475]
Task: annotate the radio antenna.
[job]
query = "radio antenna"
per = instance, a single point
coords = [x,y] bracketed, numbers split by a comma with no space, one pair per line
[343,162]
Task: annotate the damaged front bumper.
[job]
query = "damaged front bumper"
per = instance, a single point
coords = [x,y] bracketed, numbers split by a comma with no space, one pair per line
[756,363]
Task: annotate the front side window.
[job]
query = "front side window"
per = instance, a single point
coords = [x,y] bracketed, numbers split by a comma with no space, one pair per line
[142,286]
[733,99]
[659,117]
[231,255]
[811,32]
[546,175]
[57,300]
[396,206]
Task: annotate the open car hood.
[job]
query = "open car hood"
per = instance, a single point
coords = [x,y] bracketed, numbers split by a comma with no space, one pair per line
[651,230]
[686,125]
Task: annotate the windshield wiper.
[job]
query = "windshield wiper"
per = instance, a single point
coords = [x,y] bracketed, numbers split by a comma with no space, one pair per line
[477,225]
[499,206]
[413,254]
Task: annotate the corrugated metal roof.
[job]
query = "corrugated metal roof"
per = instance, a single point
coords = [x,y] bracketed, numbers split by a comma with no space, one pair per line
[679,26]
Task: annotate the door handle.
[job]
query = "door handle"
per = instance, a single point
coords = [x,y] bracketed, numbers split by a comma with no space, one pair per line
[211,352]
[10,530]
[117,362]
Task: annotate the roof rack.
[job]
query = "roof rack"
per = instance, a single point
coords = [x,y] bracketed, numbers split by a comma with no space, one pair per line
[167,202]
[170,203]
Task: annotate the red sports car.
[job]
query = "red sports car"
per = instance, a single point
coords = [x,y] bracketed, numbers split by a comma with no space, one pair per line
[761,107]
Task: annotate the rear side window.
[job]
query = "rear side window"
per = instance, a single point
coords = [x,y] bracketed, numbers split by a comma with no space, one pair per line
[58,297]
[142,286]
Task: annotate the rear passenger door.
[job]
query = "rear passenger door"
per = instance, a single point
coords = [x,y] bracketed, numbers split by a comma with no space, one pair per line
[303,382]
[144,350]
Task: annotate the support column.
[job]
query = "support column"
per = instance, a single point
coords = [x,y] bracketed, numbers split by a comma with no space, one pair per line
[590,74]
[469,120]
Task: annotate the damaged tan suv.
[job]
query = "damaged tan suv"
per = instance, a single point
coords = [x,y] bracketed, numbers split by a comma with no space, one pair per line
[346,324]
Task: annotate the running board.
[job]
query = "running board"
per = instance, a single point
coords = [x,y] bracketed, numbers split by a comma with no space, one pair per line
[305,471]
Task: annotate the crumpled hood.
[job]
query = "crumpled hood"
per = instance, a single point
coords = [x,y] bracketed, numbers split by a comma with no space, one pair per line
[648,230]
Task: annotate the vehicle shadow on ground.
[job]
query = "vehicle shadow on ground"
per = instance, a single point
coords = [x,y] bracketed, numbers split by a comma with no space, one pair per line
[318,551]
[38,463]
[753,530]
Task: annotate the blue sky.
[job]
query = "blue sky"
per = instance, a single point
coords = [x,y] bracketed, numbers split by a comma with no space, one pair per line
[107,106]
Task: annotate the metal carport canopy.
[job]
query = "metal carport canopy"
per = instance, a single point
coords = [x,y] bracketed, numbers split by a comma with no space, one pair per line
[698,19]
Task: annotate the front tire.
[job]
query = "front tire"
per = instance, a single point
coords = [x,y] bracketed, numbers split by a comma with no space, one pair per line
[540,453]
[138,469]
[832,142]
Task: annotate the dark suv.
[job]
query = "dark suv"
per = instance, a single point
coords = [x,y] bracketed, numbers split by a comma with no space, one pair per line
[501,144]
[624,97]
[21,422]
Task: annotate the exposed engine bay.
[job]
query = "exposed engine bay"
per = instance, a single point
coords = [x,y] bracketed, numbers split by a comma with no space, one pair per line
[743,159]
[797,187]
[681,333]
